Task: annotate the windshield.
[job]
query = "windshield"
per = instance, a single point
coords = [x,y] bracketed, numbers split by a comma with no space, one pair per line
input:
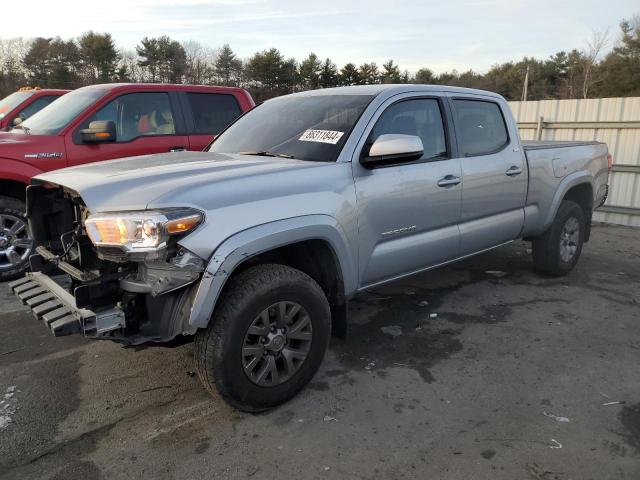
[54,117]
[303,127]
[12,101]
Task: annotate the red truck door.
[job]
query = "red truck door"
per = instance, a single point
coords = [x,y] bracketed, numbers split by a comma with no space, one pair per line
[210,114]
[146,122]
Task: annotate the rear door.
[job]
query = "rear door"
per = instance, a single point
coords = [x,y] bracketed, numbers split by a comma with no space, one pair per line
[146,122]
[494,173]
[207,114]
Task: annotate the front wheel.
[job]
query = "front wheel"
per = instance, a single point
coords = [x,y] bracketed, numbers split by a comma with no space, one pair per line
[266,339]
[556,251]
[16,244]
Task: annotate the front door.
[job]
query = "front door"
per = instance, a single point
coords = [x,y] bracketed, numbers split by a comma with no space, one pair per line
[495,175]
[145,123]
[408,214]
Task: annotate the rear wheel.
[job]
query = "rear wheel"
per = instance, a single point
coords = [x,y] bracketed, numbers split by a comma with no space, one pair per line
[16,244]
[266,339]
[556,251]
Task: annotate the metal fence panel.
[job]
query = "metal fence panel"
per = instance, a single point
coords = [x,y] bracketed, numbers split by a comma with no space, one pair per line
[615,121]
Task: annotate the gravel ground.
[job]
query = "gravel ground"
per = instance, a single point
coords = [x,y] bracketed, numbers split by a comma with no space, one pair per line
[481,370]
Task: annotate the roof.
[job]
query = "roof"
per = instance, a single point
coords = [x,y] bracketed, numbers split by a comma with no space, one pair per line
[159,86]
[394,89]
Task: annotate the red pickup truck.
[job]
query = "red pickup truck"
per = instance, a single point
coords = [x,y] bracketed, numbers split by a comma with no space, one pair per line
[103,122]
[24,103]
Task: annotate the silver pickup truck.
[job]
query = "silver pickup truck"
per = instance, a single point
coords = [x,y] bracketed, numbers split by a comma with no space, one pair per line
[255,245]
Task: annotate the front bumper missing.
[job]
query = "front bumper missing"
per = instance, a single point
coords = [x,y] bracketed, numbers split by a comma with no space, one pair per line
[57,309]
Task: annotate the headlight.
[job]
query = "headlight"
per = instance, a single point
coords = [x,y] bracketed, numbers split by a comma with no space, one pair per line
[140,231]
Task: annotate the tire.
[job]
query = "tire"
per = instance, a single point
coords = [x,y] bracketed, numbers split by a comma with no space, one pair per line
[15,248]
[250,302]
[555,252]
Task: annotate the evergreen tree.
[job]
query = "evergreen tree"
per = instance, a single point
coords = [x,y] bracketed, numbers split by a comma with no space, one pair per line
[164,59]
[349,75]
[391,73]
[328,74]
[310,70]
[99,56]
[368,73]
[227,67]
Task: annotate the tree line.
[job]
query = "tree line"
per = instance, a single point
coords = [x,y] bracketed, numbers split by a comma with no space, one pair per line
[586,72]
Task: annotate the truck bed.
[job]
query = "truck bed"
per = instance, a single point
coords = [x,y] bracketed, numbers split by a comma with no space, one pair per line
[542,144]
[550,163]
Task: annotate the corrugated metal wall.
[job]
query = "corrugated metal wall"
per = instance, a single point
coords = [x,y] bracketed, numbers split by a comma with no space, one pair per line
[615,121]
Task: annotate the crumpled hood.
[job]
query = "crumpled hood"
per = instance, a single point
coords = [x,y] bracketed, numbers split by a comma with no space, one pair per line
[154,181]
[23,147]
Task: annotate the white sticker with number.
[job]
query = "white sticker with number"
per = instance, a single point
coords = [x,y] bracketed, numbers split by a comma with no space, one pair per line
[322,136]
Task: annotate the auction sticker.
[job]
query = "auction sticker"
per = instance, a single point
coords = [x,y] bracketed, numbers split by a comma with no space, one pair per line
[322,136]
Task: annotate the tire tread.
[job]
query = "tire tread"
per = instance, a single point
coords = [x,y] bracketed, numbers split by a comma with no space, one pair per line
[208,342]
[546,255]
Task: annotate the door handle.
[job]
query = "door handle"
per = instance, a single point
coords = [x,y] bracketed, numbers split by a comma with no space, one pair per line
[178,149]
[448,181]
[513,171]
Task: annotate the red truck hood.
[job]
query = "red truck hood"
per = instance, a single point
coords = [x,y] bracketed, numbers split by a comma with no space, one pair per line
[26,148]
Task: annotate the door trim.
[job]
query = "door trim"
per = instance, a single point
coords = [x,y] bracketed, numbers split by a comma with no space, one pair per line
[421,270]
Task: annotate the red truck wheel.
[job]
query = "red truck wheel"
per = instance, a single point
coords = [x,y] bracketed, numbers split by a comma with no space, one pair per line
[16,244]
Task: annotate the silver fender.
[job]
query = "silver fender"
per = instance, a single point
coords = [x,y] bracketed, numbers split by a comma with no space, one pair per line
[570,181]
[538,218]
[262,238]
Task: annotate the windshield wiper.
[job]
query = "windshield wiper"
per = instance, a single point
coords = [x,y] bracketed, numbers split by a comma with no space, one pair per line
[266,153]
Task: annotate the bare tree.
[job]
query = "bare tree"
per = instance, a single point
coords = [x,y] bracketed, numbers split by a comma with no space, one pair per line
[598,42]
[200,61]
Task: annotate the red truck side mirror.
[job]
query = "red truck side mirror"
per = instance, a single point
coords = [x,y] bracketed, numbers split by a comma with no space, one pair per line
[99,131]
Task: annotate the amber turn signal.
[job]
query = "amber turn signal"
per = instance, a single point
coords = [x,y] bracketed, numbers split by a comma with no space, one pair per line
[183,224]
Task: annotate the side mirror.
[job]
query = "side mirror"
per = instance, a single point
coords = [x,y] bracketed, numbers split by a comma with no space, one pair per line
[15,122]
[389,149]
[99,131]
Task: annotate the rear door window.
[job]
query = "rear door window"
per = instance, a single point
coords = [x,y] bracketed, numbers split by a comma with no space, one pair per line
[212,112]
[481,126]
[138,115]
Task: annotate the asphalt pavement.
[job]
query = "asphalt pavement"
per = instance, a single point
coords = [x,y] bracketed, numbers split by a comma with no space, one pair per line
[480,370]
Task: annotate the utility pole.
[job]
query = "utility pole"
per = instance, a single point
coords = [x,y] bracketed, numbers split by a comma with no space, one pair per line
[525,87]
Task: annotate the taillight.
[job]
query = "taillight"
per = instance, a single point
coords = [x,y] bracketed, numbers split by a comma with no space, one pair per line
[610,160]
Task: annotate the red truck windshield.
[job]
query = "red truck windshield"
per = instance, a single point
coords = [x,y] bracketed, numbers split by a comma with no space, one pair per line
[52,119]
[7,104]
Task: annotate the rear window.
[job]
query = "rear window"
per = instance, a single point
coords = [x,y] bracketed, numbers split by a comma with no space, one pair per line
[212,112]
[481,126]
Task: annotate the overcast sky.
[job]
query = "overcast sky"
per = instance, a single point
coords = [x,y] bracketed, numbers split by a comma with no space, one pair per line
[441,35]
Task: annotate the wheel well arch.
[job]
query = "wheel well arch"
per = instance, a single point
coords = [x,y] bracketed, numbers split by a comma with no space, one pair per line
[582,194]
[13,189]
[316,258]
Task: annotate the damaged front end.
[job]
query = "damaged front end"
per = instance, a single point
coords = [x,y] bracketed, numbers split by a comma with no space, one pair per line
[121,276]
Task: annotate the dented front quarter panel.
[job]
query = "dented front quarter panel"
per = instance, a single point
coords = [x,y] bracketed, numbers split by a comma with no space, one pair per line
[254,241]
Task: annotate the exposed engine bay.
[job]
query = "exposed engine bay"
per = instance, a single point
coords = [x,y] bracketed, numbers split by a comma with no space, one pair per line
[85,282]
